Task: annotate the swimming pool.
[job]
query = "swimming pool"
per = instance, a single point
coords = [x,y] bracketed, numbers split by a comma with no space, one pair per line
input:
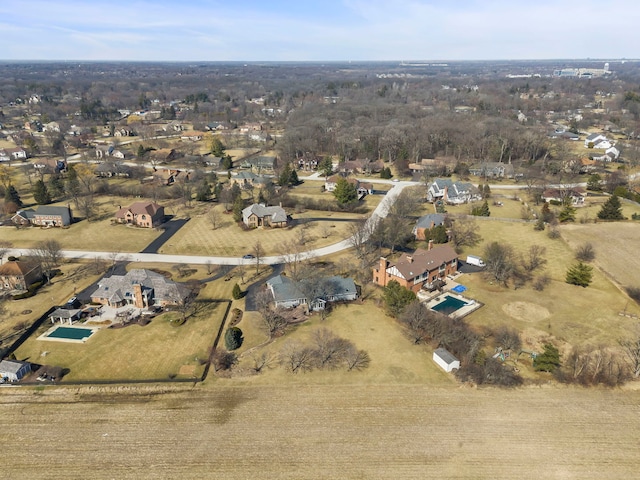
[70,333]
[449,305]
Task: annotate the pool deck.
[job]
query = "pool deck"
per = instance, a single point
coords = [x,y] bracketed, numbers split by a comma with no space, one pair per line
[46,338]
[433,298]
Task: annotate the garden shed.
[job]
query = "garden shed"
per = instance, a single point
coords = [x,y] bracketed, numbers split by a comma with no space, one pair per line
[14,370]
[445,359]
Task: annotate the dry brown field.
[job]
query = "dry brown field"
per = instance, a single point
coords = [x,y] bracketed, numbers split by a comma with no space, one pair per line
[317,431]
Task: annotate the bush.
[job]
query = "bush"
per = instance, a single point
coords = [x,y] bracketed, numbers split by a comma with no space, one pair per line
[233,338]
[585,253]
[541,282]
[237,292]
[554,233]
[634,293]
[548,361]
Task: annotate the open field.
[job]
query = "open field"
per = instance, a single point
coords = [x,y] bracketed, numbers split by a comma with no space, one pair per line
[197,237]
[329,431]
[97,235]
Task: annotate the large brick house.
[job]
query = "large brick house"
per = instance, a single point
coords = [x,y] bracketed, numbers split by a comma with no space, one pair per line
[141,289]
[422,268]
[17,275]
[44,216]
[141,214]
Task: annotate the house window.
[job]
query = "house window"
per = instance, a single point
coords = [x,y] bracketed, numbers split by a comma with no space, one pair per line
[144,217]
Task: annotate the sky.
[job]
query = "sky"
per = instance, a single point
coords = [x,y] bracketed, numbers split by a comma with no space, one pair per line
[310,30]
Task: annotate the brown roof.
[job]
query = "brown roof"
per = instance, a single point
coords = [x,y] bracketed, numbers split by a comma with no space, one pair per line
[15,268]
[139,208]
[420,261]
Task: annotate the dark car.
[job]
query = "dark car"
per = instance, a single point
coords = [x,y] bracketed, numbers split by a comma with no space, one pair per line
[248,256]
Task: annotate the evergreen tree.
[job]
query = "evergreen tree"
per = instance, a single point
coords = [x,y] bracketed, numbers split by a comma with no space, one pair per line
[481,210]
[293,178]
[397,297]
[235,192]
[203,193]
[580,274]
[233,338]
[227,162]
[539,224]
[284,179]
[238,205]
[12,196]
[568,213]
[594,183]
[141,151]
[547,214]
[486,191]
[548,361]
[386,173]
[56,186]
[611,209]
[325,166]
[72,186]
[216,147]
[345,192]
[236,293]
[41,193]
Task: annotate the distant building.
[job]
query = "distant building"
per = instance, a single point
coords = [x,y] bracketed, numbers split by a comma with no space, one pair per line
[259,215]
[141,214]
[14,370]
[451,192]
[44,216]
[19,275]
[288,293]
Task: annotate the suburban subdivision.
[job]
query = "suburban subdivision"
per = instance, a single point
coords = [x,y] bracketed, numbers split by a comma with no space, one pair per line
[244,257]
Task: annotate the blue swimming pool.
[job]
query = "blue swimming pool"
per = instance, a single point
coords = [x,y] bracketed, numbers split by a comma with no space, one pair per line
[449,305]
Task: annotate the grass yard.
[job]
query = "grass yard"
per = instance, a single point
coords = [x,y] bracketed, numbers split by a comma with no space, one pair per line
[572,315]
[158,350]
[96,235]
[394,358]
[197,236]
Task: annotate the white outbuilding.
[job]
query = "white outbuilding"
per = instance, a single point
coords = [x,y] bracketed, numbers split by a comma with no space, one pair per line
[13,370]
[445,359]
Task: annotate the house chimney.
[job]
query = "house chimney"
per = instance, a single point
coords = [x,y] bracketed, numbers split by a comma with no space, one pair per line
[410,258]
[430,245]
[137,295]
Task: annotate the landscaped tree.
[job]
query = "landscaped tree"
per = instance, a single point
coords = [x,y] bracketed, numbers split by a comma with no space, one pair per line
[216,147]
[415,317]
[437,234]
[203,192]
[594,183]
[345,192]
[258,252]
[238,206]
[464,232]
[397,297]
[236,292]
[631,348]
[386,173]
[500,261]
[568,212]
[41,193]
[585,252]
[611,209]
[12,196]
[326,166]
[547,361]
[481,210]
[580,274]
[233,338]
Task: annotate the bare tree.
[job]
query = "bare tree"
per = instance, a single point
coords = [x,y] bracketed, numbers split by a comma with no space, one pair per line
[631,348]
[223,360]
[262,361]
[258,252]
[294,259]
[330,349]
[5,246]
[48,253]
[407,202]
[209,266]
[585,252]
[213,215]
[534,258]
[273,320]
[297,357]
[357,359]
[508,338]
[359,233]
[325,230]
[415,318]
[464,232]
[499,259]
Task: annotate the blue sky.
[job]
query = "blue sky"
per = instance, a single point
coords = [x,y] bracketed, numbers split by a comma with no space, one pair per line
[287,30]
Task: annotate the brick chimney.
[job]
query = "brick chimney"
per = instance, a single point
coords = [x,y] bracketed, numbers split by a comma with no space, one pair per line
[409,258]
[380,273]
[137,296]
[430,245]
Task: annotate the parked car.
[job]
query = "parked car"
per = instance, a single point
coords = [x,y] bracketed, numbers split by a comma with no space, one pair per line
[248,256]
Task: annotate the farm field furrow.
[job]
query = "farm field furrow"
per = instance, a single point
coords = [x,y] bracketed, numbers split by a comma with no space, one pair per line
[322,432]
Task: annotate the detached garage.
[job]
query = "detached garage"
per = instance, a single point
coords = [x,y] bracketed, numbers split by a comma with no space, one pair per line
[13,370]
[446,360]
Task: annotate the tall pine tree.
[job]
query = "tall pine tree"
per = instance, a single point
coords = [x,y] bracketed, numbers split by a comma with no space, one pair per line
[611,209]
[41,193]
[12,196]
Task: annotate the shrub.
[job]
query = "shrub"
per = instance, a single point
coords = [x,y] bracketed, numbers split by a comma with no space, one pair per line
[634,293]
[548,361]
[541,282]
[233,338]
[237,292]
[554,233]
[585,253]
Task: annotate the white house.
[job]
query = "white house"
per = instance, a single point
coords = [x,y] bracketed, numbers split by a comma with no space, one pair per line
[454,193]
[14,370]
[446,360]
[597,140]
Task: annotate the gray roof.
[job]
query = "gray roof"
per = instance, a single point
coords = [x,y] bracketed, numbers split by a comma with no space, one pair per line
[430,219]
[593,136]
[113,167]
[49,210]
[11,366]
[276,213]
[64,313]
[454,189]
[445,355]
[286,289]
[118,287]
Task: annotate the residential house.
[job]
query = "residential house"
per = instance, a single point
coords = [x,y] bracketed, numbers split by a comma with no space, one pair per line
[19,275]
[576,194]
[597,140]
[51,127]
[427,222]
[192,136]
[44,216]
[445,360]
[113,169]
[124,132]
[141,289]
[103,151]
[212,161]
[251,127]
[16,153]
[315,293]
[260,163]
[492,170]
[308,162]
[173,126]
[250,179]
[259,215]
[4,156]
[14,370]
[432,166]
[168,176]
[50,165]
[118,154]
[451,192]
[218,126]
[141,214]
[611,154]
[164,155]
[420,269]
[259,136]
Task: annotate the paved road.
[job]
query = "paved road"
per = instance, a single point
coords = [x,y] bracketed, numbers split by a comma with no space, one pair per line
[170,229]
[381,211]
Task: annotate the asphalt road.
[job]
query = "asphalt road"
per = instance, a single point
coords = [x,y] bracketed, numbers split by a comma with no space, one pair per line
[169,230]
